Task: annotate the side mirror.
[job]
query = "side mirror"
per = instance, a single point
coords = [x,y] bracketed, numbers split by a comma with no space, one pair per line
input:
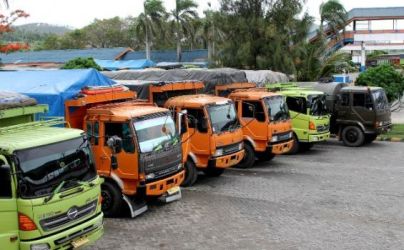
[115,144]
[181,129]
[114,162]
[5,170]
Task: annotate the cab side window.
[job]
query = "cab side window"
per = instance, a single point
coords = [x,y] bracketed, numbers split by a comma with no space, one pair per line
[123,131]
[362,100]
[344,99]
[297,104]
[197,119]
[93,132]
[253,110]
[5,180]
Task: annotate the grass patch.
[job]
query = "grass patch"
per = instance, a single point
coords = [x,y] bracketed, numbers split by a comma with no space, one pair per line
[396,132]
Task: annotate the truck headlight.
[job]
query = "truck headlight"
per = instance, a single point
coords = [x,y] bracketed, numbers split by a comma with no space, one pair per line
[240,145]
[274,138]
[150,176]
[219,152]
[179,166]
[42,246]
[290,135]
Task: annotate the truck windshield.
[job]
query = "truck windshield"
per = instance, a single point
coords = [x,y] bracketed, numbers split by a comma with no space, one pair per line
[42,168]
[380,99]
[277,108]
[317,105]
[153,133]
[223,117]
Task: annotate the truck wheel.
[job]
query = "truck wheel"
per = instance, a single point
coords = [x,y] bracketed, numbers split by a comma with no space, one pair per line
[306,146]
[213,172]
[353,136]
[249,157]
[111,199]
[370,138]
[296,146]
[265,156]
[191,174]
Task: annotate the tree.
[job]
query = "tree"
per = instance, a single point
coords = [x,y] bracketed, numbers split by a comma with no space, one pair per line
[5,27]
[150,22]
[81,63]
[182,17]
[334,15]
[107,33]
[384,76]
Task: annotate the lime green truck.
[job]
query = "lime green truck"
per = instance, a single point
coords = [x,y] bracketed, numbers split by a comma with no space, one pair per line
[49,187]
[310,118]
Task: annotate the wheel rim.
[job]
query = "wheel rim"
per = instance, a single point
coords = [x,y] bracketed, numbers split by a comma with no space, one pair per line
[352,136]
[106,200]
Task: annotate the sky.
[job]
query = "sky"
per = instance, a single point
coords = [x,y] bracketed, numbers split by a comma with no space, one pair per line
[79,13]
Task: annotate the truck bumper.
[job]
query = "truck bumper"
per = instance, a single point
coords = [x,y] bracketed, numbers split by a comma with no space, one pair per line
[282,147]
[384,129]
[227,161]
[319,137]
[160,187]
[81,235]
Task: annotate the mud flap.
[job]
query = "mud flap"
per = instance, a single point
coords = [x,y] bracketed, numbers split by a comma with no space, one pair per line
[171,196]
[136,208]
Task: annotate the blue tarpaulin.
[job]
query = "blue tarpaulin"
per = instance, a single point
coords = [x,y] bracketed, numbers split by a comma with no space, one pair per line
[127,64]
[52,87]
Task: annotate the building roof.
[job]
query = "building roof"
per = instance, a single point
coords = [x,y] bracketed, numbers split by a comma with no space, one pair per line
[376,12]
[60,56]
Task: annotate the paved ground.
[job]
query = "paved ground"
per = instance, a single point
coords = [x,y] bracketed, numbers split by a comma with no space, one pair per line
[330,198]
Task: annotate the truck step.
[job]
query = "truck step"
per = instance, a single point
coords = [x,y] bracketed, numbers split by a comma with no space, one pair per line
[167,198]
[136,208]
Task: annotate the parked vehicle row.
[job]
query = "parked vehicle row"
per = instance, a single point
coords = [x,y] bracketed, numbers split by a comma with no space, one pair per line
[117,150]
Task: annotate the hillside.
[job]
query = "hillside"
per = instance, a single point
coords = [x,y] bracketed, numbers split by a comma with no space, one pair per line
[33,32]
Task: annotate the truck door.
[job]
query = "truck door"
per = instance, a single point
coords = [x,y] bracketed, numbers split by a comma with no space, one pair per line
[8,209]
[341,113]
[200,138]
[299,115]
[253,115]
[127,158]
[362,109]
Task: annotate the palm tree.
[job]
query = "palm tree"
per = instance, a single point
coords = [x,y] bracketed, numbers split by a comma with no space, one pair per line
[210,33]
[149,22]
[334,14]
[182,15]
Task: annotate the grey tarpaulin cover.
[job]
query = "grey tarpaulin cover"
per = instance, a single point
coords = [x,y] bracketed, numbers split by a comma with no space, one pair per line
[262,77]
[10,99]
[210,77]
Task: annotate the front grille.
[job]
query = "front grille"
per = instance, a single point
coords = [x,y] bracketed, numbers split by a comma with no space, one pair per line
[323,128]
[67,218]
[75,235]
[231,148]
[161,162]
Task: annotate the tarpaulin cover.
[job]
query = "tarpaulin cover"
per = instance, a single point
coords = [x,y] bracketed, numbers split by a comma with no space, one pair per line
[126,64]
[262,77]
[210,77]
[9,99]
[52,87]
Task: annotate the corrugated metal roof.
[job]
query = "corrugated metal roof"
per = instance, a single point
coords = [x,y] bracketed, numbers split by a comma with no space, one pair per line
[169,55]
[376,12]
[59,56]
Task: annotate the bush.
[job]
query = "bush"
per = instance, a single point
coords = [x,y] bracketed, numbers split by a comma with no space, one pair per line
[384,76]
[82,63]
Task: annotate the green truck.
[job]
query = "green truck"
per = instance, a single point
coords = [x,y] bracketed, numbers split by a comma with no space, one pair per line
[310,118]
[49,187]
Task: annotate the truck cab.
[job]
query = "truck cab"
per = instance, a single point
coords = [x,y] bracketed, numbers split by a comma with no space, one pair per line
[309,114]
[136,147]
[50,191]
[266,124]
[358,114]
[216,139]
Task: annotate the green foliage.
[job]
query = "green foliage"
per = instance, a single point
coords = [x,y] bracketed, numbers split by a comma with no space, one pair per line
[338,62]
[384,76]
[81,63]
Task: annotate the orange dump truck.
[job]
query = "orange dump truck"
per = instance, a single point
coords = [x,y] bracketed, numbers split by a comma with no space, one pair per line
[266,125]
[136,146]
[214,135]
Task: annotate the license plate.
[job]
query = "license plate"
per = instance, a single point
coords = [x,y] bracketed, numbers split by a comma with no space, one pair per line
[80,242]
[173,190]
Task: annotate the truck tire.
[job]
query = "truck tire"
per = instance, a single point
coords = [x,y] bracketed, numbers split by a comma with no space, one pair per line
[306,146]
[191,174]
[111,199]
[265,156]
[353,136]
[370,138]
[296,145]
[249,157]
[213,172]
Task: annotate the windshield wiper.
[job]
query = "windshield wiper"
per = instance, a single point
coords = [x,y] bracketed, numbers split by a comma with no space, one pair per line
[172,139]
[54,191]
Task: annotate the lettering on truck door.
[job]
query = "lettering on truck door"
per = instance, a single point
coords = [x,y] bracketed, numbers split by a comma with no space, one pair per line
[9,238]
